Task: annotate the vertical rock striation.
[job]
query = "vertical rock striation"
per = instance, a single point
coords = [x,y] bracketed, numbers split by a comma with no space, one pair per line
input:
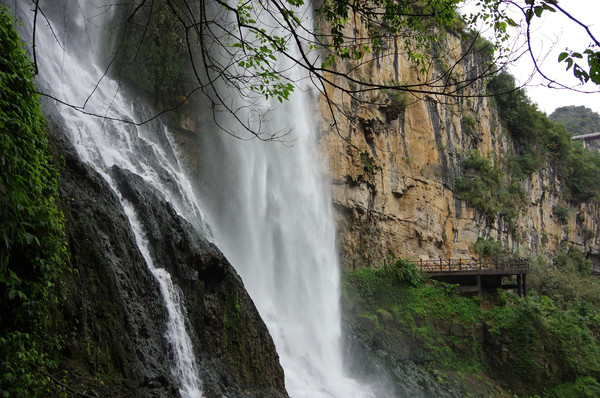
[394,158]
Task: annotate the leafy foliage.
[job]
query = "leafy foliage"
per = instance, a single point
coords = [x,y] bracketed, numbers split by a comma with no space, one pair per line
[562,213]
[566,279]
[539,140]
[420,24]
[487,189]
[546,344]
[490,248]
[403,271]
[583,73]
[32,240]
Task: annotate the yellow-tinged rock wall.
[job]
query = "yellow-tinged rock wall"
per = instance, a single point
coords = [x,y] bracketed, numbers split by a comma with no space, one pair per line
[393,173]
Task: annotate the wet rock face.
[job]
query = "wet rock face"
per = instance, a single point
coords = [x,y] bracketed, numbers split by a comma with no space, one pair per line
[112,303]
[235,351]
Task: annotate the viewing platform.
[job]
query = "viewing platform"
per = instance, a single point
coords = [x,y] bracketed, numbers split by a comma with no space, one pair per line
[586,138]
[477,275]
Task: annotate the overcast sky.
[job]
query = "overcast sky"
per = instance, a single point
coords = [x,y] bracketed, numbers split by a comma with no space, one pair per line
[551,36]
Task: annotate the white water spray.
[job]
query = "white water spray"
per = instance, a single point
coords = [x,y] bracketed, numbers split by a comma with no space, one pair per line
[146,151]
[272,218]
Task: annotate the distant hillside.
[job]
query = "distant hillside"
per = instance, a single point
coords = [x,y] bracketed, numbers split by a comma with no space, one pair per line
[577,119]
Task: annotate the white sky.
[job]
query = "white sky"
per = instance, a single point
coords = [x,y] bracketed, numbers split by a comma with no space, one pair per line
[551,35]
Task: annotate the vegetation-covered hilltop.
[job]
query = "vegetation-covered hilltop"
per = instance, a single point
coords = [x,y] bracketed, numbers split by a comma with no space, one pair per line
[577,120]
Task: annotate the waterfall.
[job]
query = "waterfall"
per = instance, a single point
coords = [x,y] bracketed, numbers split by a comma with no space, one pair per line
[269,207]
[186,370]
[273,220]
[147,151]
[271,215]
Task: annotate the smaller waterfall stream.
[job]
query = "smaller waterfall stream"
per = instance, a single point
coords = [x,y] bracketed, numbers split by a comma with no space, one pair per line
[186,369]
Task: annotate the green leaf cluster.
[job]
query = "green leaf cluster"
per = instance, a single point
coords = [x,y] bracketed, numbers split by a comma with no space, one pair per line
[583,73]
[546,344]
[487,189]
[539,140]
[32,237]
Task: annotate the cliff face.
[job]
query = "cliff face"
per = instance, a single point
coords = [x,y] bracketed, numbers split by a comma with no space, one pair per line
[394,161]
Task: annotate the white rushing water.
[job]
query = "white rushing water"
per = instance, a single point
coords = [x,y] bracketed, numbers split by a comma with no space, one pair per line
[277,230]
[275,225]
[272,217]
[185,368]
[146,151]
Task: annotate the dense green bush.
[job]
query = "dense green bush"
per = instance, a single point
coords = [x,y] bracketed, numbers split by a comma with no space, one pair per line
[403,271]
[538,140]
[490,248]
[566,279]
[562,213]
[547,344]
[32,240]
[487,189]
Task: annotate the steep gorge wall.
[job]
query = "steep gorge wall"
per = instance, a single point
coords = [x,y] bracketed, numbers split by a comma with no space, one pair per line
[393,171]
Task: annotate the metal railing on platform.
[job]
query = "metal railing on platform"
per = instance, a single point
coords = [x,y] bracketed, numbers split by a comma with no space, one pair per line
[471,264]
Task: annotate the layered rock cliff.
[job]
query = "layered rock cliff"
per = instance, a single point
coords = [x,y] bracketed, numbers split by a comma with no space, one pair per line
[394,158]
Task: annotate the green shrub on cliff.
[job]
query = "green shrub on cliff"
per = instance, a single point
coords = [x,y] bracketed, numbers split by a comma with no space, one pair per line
[487,189]
[538,140]
[546,344]
[32,240]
